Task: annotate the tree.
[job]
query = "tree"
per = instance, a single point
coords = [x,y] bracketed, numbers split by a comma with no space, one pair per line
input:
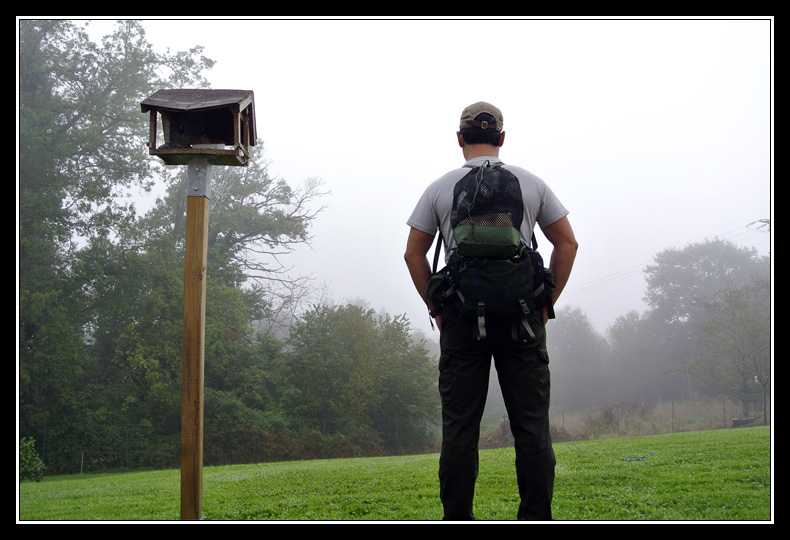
[682,280]
[81,150]
[255,221]
[641,366]
[577,355]
[733,344]
[82,136]
[356,368]
[679,278]
[256,218]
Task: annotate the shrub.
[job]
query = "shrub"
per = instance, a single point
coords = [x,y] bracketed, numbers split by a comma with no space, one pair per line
[30,465]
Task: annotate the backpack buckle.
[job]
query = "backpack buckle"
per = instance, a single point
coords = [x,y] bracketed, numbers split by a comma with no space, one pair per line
[481,321]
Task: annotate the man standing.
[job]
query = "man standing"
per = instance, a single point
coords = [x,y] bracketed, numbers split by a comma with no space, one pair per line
[522,365]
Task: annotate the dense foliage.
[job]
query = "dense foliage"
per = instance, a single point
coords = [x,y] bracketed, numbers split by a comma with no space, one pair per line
[101,287]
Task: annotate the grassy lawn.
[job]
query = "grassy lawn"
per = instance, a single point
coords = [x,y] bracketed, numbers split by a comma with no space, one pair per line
[705,475]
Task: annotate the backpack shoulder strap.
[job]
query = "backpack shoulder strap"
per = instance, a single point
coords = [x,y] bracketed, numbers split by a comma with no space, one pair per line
[439,242]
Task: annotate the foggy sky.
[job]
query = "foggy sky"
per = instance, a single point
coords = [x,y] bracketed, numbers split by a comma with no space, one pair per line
[653,133]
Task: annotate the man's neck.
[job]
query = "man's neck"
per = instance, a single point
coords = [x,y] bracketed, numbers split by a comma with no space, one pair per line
[472,151]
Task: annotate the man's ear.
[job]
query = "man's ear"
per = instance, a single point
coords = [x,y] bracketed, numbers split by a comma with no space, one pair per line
[461,141]
[501,139]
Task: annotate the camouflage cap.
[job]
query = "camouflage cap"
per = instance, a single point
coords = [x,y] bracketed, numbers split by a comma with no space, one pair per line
[470,113]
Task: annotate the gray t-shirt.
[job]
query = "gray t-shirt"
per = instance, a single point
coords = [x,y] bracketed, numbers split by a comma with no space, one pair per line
[435,207]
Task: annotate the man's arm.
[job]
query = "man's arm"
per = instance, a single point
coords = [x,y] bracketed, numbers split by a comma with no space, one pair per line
[561,236]
[416,258]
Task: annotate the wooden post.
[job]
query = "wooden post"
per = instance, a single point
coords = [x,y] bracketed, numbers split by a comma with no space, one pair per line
[201,123]
[193,338]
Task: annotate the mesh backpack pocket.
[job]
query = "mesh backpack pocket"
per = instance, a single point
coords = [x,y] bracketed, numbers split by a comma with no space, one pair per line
[487,213]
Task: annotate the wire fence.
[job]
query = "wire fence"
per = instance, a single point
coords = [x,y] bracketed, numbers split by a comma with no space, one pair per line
[639,419]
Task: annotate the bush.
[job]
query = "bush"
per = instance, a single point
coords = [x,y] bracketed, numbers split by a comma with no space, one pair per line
[30,465]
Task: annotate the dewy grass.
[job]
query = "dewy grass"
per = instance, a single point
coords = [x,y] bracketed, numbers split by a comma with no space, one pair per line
[123,496]
[393,488]
[710,475]
[696,476]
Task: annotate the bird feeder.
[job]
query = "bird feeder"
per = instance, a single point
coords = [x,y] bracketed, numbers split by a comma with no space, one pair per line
[201,128]
[217,124]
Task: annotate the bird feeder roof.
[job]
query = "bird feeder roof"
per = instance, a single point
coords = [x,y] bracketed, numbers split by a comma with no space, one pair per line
[191,99]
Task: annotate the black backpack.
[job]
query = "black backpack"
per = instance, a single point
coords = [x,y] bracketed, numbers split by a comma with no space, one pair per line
[491,272]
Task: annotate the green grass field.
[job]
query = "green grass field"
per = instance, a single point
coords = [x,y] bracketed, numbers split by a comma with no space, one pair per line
[694,476]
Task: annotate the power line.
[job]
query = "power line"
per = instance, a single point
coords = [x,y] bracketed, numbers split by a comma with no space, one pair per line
[762,225]
[627,273]
[754,228]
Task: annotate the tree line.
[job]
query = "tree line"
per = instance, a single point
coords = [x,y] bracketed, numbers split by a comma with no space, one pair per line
[706,332]
[101,286]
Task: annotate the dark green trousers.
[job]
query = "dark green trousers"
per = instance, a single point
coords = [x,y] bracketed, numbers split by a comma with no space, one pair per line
[523,372]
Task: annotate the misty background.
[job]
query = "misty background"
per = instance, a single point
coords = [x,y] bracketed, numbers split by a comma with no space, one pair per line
[654,133]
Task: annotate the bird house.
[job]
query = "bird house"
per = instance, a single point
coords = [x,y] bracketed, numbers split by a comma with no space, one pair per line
[217,124]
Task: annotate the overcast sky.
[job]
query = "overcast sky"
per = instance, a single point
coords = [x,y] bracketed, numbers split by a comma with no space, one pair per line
[654,133]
